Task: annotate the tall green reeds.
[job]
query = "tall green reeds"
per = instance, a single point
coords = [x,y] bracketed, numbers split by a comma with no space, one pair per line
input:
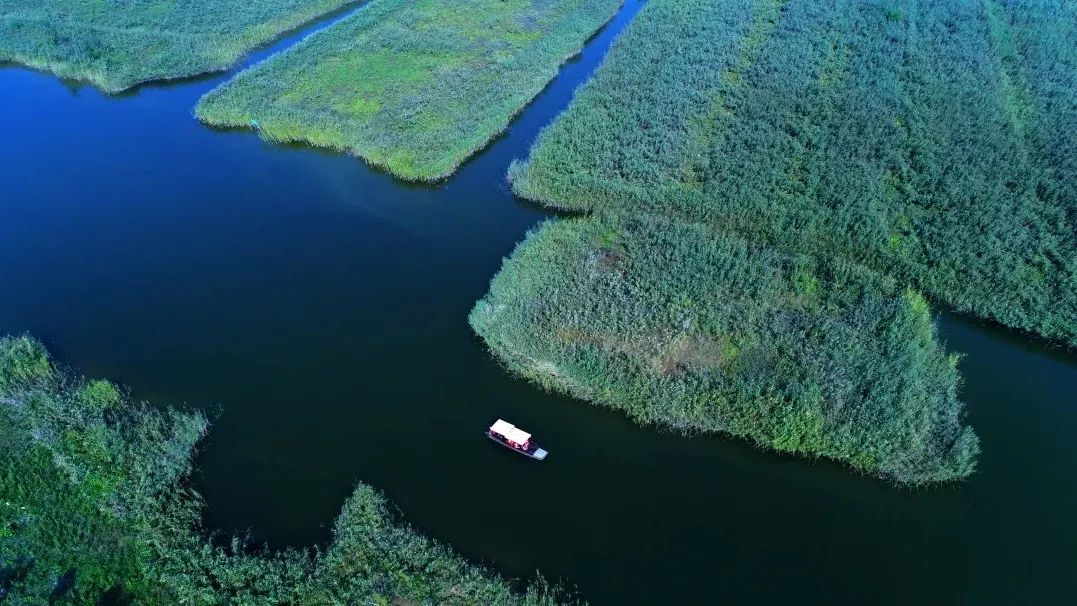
[116,45]
[412,86]
[931,140]
[756,161]
[94,502]
[681,326]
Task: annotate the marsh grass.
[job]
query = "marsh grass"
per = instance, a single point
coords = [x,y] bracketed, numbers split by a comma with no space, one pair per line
[116,45]
[677,325]
[720,151]
[411,86]
[94,501]
[929,140]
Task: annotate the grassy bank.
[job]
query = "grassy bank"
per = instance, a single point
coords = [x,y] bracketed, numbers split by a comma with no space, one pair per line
[116,45]
[928,140]
[95,508]
[412,86]
[677,325]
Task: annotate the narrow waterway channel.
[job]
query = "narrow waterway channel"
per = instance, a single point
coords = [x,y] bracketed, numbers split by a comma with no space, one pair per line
[318,309]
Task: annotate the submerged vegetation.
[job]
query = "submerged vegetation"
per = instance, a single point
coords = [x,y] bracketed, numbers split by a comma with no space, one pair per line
[930,140]
[95,508]
[413,86]
[116,45]
[675,324]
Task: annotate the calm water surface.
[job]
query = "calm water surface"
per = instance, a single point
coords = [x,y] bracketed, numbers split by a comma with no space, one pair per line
[318,308]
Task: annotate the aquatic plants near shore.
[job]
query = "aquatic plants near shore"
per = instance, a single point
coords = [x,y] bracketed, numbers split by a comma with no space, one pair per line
[762,220]
[677,325]
[414,87]
[715,287]
[116,45]
[94,508]
[929,140]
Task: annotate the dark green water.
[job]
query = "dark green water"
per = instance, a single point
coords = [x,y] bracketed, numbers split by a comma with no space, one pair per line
[320,309]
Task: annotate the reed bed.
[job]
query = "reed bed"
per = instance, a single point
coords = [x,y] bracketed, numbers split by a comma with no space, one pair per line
[116,45]
[411,86]
[930,140]
[95,508]
[680,326]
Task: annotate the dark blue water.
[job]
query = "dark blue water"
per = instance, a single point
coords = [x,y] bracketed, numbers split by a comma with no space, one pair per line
[318,308]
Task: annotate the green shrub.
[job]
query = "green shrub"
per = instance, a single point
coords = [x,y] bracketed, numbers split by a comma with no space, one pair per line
[23,361]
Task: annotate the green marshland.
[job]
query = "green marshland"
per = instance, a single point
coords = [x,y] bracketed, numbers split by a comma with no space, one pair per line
[414,87]
[118,44]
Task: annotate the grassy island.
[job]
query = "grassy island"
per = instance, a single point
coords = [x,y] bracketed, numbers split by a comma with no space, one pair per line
[116,45]
[678,325]
[932,141]
[95,509]
[412,86]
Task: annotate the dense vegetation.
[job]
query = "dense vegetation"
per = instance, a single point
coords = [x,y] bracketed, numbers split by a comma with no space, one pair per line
[675,324]
[930,140]
[116,44]
[1038,47]
[93,503]
[413,86]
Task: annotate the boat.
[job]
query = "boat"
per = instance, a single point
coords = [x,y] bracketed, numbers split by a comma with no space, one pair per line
[514,438]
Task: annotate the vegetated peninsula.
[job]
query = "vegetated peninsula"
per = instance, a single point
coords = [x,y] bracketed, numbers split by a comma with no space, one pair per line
[681,325]
[116,45]
[412,86]
[930,140]
[95,508]
[771,184]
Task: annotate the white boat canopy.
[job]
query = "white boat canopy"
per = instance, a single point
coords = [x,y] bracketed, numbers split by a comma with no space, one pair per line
[503,427]
[519,436]
[511,432]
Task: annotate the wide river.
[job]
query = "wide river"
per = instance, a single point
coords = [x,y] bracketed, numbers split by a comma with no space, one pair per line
[318,309]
